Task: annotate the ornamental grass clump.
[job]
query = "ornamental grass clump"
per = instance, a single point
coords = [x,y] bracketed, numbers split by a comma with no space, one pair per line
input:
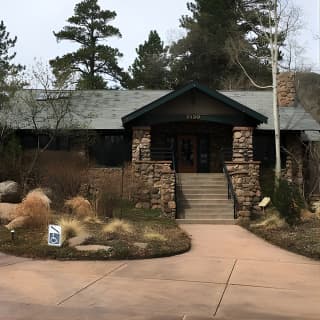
[117,226]
[79,207]
[33,211]
[71,227]
[154,236]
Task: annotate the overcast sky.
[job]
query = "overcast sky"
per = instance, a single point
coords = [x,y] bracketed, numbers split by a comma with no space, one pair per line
[33,21]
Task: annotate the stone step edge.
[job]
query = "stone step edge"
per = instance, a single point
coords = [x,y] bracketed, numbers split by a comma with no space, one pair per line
[207,221]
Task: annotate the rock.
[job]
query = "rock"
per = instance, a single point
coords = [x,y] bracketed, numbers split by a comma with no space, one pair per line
[307,215]
[17,222]
[76,241]
[7,211]
[93,247]
[141,245]
[10,192]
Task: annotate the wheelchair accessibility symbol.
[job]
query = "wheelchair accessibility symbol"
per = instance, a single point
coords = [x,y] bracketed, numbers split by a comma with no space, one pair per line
[54,235]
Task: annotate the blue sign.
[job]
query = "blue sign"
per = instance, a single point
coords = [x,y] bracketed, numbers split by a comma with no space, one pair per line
[54,235]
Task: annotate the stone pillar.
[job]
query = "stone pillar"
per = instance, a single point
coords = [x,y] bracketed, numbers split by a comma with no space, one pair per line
[141,144]
[286,89]
[157,186]
[242,147]
[246,184]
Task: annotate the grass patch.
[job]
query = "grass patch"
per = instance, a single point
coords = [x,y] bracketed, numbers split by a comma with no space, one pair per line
[70,228]
[118,226]
[122,233]
[302,238]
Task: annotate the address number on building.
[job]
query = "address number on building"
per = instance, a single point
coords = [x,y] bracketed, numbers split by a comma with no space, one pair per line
[193,116]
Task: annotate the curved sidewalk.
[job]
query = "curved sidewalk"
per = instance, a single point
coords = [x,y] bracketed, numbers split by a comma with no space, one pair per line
[228,274]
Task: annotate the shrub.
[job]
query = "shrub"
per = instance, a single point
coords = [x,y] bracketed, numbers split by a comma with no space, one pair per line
[80,207]
[34,209]
[70,228]
[64,173]
[11,159]
[118,226]
[288,200]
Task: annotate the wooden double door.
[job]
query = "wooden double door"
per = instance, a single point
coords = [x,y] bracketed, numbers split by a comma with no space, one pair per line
[192,153]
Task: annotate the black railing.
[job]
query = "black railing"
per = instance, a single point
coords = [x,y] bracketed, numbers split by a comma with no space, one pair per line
[163,154]
[226,155]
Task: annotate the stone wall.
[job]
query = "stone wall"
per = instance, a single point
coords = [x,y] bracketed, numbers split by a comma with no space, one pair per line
[293,171]
[286,89]
[158,186]
[245,172]
[242,144]
[141,143]
[245,178]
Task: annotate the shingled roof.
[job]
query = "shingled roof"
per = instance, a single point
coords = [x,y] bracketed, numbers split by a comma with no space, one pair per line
[108,107]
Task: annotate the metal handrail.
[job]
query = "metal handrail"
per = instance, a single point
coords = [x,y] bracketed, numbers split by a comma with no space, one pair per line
[231,193]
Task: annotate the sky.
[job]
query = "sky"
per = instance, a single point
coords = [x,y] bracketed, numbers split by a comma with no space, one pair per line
[34,21]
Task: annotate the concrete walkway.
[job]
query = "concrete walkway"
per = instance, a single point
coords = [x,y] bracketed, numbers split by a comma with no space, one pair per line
[228,274]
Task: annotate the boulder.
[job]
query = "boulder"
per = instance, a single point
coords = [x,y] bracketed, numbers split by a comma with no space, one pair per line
[7,211]
[10,192]
[93,247]
[76,241]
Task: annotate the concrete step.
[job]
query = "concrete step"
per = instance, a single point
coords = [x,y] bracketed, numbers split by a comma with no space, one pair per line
[198,181]
[206,221]
[207,216]
[200,190]
[223,204]
[204,202]
[192,196]
[212,187]
[216,211]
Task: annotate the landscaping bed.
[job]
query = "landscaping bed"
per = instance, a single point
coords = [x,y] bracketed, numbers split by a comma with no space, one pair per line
[135,234]
[303,238]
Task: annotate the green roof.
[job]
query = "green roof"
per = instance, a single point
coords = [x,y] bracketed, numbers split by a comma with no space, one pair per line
[257,117]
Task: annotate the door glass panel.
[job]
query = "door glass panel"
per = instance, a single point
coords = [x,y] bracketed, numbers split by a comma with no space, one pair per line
[187,151]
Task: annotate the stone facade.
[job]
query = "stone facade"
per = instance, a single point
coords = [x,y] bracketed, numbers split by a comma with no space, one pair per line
[246,184]
[242,147]
[157,179]
[158,186]
[141,143]
[244,172]
[286,89]
[293,171]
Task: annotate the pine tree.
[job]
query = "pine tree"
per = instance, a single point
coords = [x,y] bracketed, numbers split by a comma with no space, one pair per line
[150,69]
[204,53]
[8,70]
[94,60]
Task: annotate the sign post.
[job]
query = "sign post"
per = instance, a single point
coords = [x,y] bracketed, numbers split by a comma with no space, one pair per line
[54,235]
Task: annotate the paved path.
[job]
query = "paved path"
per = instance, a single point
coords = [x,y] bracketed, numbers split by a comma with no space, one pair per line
[228,274]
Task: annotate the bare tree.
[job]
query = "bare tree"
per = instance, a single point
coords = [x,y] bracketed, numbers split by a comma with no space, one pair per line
[277,19]
[49,110]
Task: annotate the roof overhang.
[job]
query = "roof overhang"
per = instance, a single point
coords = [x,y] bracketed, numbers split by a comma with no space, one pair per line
[258,118]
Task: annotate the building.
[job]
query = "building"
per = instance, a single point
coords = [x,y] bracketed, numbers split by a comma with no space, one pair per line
[171,137]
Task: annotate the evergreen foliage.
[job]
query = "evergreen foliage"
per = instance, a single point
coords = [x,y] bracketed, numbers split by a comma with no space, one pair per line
[150,69]
[215,29]
[94,60]
[8,70]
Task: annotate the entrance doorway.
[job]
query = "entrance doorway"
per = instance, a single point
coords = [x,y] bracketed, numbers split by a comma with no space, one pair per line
[187,154]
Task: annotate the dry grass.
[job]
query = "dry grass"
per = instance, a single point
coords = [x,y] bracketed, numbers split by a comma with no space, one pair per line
[80,207]
[154,236]
[71,228]
[33,211]
[92,219]
[316,207]
[118,226]
[272,220]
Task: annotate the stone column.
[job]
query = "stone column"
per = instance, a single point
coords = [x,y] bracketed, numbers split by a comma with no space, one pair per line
[141,144]
[242,148]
